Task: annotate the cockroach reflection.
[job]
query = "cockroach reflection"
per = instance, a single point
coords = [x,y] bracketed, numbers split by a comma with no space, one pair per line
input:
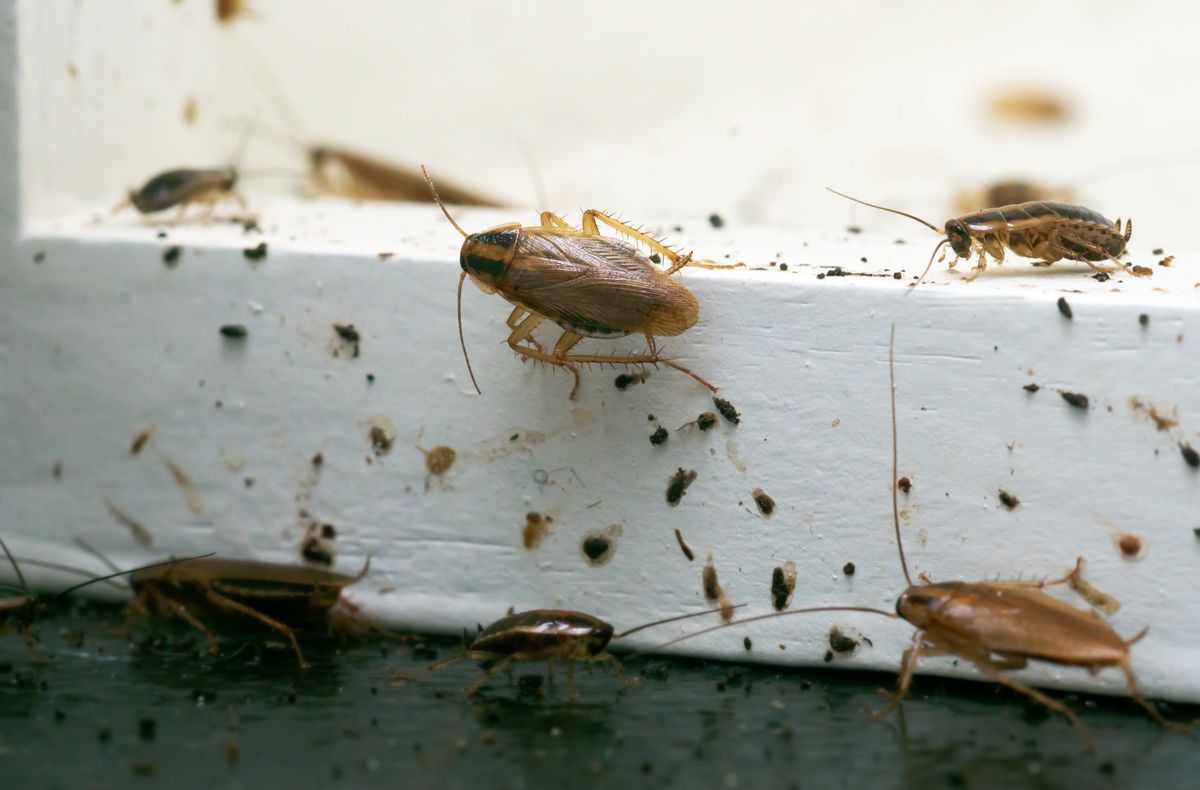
[996,626]
[548,635]
[18,612]
[589,285]
[284,598]
[1041,230]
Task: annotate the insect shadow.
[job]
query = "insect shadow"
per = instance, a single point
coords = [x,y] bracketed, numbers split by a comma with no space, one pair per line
[589,285]
[1042,230]
[548,635]
[994,625]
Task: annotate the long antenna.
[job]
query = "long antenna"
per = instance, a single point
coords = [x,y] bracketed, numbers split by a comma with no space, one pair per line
[462,341]
[16,567]
[666,620]
[441,205]
[70,590]
[896,453]
[929,265]
[934,228]
[772,615]
[64,568]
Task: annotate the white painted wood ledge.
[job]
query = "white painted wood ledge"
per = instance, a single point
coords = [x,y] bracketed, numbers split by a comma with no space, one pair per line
[100,339]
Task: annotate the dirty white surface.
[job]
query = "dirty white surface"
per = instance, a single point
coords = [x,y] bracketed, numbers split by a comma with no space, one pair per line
[101,339]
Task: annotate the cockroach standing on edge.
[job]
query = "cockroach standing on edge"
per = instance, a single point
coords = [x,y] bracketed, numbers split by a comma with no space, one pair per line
[18,612]
[996,626]
[1042,230]
[544,635]
[285,598]
[589,285]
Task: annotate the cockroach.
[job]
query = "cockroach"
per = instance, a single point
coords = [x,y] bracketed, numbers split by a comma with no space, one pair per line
[996,626]
[589,285]
[1042,230]
[544,635]
[18,612]
[285,598]
[183,187]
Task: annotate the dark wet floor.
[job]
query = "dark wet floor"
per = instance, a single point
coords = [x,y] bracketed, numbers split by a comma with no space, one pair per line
[102,713]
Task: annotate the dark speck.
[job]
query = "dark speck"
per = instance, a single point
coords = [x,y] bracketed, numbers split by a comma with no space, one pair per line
[783,267]
[39,256]
[1190,455]
[1064,308]
[1008,499]
[677,486]
[746,643]
[347,332]
[1031,387]
[595,547]
[1076,399]
[655,258]
[370,378]
[766,505]
[147,729]
[840,643]
[727,410]
[1101,277]
[848,569]
[904,484]
[256,253]
[854,229]
[706,420]
[659,436]
[716,220]
[234,331]
[170,256]
[1144,319]
[1156,251]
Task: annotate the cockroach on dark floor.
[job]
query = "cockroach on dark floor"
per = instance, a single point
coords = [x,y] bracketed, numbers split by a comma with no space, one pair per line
[285,598]
[589,285]
[18,612]
[996,626]
[544,635]
[1042,230]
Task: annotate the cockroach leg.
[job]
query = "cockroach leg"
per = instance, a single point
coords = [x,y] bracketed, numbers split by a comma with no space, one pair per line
[552,220]
[1075,573]
[515,318]
[988,668]
[504,663]
[589,228]
[908,667]
[228,603]
[1136,694]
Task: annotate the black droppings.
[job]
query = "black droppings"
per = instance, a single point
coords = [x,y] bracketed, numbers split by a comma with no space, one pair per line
[1008,499]
[655,258]
[840,643]
[147,728]
[848,569]
[39,256]
[677,486]
[347,332]
[727,410]
[1190,455]
[853,229]
[746,643]
[1065,308]
[716,220]
[783,267]
[1076,399]
[1101,277]
[1156,251]
[781,588]
[1031,387]
[1144,319]
[659,436]
[766,505]
[234,331]
[706,420]
[170,256]
[256,253]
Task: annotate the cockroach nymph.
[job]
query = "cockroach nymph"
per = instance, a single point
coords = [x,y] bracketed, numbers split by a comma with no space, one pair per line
[995,625]
[1042,230]
[589,285]
[544,635]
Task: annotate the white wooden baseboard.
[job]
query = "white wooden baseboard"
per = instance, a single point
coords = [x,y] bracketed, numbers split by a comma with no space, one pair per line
[100,339]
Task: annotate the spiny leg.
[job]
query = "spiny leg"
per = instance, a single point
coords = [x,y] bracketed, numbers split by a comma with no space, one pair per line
[589,227]
[179,610]
[908,666]
[550,220]
[514,319]
[228,603]
[988,668]
[1075,573]
[978,268]
[611,660]
[503,663]
[402,677]
[1148,706]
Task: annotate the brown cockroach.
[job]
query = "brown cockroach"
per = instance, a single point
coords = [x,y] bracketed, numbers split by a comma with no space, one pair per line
[589,285]
[995,625]
[544,635]
[1037,229]
[285,598]
[18,612]
[184,187]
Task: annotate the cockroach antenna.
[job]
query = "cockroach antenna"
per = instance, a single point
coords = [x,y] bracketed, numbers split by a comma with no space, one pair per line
[896,453]
[13,561]
[462,341]
[159,564]
[666,620]
[929,225]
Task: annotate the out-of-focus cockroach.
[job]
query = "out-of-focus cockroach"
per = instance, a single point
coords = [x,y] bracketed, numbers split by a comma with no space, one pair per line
[186,186]
[1011,191]
[1042,230]
[996,626]
[285,598]
[589,285]
[544,635]
[18,612]
[229,11]
[341,172]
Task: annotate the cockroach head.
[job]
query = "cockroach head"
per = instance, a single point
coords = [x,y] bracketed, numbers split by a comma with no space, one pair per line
[486,255]
[959,238]
[599,638]
[918,603]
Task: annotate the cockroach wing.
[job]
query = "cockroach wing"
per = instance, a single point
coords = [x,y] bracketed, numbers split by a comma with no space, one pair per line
[595,286]
[1013,621]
